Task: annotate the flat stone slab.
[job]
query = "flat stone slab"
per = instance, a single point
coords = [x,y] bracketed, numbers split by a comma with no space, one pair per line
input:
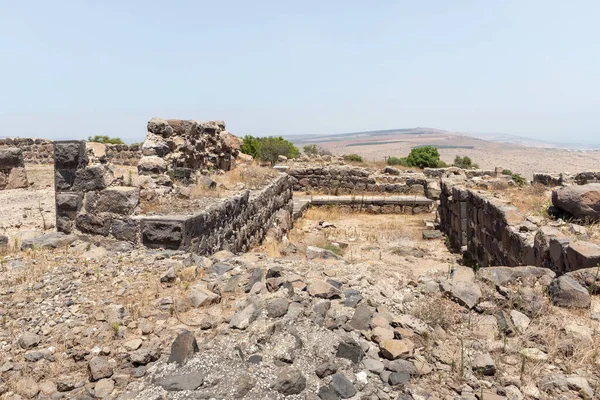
[368,200]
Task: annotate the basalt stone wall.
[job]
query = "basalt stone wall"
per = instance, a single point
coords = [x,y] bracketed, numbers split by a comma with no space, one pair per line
[35,151]
[565,178]
[85,200]
[12,171]
[491,232]
[122,154]
[234,224]
[349,180]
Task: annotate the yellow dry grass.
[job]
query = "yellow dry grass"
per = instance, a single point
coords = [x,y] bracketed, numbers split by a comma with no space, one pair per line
[530,200]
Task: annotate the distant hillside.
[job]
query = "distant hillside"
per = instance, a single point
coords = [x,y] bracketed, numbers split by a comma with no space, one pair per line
[363,136]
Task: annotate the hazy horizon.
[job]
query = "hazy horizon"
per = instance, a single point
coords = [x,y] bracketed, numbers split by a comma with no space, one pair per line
[77,69]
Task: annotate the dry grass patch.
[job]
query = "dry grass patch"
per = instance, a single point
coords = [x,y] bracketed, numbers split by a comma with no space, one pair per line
[530,200]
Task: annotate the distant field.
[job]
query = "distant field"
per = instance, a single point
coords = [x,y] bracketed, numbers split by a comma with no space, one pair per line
[438,146]
[373,143]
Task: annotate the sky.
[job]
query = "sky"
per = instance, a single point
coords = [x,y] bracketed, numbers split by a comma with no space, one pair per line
[73,69]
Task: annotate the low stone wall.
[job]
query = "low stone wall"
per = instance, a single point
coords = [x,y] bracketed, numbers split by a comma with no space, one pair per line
[122,154]
[12,169]
[490,232]
[566,179]
[35,151]
[351,180]
[235,224]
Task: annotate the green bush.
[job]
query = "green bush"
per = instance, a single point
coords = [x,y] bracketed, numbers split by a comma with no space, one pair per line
[353,158]
[315,149]
[507,172]
[465,163]
[105,139]
[518,179]
[424,157]
[397,161]
[269,148]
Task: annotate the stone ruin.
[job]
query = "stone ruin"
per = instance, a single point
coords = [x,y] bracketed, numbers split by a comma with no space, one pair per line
[12,169]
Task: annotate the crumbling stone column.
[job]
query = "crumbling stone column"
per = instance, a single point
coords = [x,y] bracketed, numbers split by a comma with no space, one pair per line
[70,156]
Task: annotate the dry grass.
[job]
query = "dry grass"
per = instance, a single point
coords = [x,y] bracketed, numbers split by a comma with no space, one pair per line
[249,175]
[530,200]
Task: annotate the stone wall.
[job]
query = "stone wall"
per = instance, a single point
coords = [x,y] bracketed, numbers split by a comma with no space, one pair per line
[35,151]
[565,178]
[334,179]
[490,232]
[235,224]
[122,154]
[12,169]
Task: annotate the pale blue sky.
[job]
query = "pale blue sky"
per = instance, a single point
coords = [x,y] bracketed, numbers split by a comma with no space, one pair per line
[71,69]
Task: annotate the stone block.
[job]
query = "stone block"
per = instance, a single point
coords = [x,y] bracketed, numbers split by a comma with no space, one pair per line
[582,254]
[68,201]
[17,179]
[118,200]
[70,154]
[11,158]
[63,179]
[93,224]
[125,229]
[90,178]
[162,233]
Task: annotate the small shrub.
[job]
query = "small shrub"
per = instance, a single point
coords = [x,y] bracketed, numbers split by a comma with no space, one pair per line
[353,158]
[334,249]
[397,161]
[465,163]
[105,139]
[424,157]
[507,172]
[315,150]
[518,179]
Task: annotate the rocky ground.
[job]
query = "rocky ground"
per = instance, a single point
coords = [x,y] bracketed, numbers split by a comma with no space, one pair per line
[376,312]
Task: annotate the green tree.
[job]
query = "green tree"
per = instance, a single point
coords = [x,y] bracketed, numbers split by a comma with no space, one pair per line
[270,148]
[250,145]
[105,139]
[424,157]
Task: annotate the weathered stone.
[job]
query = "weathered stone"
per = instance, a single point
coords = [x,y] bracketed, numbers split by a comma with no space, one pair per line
[17,179]
[92,223]
[98,368]
[352,297]
[484,364]
[290,381]
[103,388]
[188,381]
[162,233]
[581,201]
[325,369]
[502,276]
[361,318]
[277,307]
[566,292]
[520,320]
[144,356]
[151,165]
[70,154]
[28,340]
[27,387]
[393,349]
[201,296]
[183,348]
[11,157]
[582,254]
[432,234]
[327,393]
[321,289]
[243,319]
[398,378]
[464,293]
[373,365]
[118,200]
[350,351]
[342,386]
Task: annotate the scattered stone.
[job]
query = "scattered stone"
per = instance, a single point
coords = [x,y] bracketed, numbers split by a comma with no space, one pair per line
[103,388]
[98,368]
[398,378]
[361,318]
[28,340]
[484,364]
[243,319]
[132,344]
[324,290]
[373,365]
[290,381]
[432,234]
[520,320]
[327,393]
[342,386]
[352,297]
[393,349]
[350,351]
[581,201]
[183,348]
[326,369]
[277,307]
[189,381]
[567,292]
[533,354]
[169,276]
[464,293]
